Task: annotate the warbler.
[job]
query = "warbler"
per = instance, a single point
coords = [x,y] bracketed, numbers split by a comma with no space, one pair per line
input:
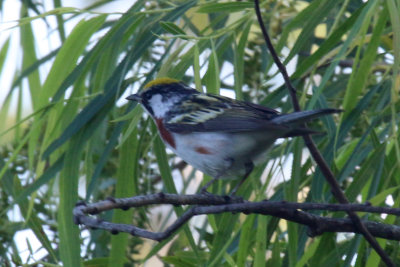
[220,136]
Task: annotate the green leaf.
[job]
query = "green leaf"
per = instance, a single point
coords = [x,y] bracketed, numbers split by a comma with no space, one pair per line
[3,53]
[186,258]
[55,11]
[364,16]
[68,55]
[102,103]
[382,196]
[196,68]
[212,81]
[311,250]
[223,237]
[246,239]
[29,58]
[291,192]
[361,71]
[261,241]
[363,176]
[309,25]
[124,188]
[239,57]
[68,231]
[225,7]
[134,116]
[45,178]
[13,187]
[172,28]
[326,48]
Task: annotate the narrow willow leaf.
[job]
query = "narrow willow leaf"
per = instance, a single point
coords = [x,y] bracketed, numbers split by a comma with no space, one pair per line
[186,258]
[186,60]
[325,247]
[178,261]
[276,254]
[239,56]
[124,25]
[48,175]
[365,14]
[24,120]
[14,154]
[220,248]
[300,19]
[196,68]
[56,11]
[60,21]
[105,154]
[311,250]
[33,222]
[358,154]
[225,7]
[32,68]
[246,239]
[260,245]
[291,192]
[212,81]
[65,63]
[104,102]
[361,71]
[124,188]
[165,171]
[363,176]
[330,43]
[394,18]
[382,196]
[29,58]
[172,28]
[374,259]
[4,111]
[165,68]
[69,233]
[308,27]
[134,117]
[68,55]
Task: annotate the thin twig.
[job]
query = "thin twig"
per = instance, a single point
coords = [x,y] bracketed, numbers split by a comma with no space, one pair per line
[330,178]
[213,204]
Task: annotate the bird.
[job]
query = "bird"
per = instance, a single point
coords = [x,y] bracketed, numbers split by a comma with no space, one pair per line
[220,136]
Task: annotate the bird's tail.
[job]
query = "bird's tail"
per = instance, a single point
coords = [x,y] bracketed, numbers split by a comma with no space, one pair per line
[300,117]
[303,116]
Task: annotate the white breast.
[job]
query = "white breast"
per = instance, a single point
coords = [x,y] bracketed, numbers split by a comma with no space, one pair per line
[207,152]
[220,154]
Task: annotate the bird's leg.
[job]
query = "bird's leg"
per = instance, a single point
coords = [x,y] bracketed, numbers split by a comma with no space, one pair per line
[229,163]
[249,166]
[203,190]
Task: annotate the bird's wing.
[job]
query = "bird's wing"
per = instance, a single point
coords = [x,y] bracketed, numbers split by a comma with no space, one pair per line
[209,113]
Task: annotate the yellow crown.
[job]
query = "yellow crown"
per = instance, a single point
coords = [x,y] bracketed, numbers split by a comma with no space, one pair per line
[160,81]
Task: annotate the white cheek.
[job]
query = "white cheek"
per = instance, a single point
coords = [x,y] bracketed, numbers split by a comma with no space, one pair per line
[159,107]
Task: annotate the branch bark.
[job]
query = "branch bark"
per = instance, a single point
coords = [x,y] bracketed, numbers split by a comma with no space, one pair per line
[213,204]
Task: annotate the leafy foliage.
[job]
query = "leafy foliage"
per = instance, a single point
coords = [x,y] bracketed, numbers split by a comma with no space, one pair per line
[82,141]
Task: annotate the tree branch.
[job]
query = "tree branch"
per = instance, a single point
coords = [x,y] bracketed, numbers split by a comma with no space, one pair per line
[213,204]
[330,178]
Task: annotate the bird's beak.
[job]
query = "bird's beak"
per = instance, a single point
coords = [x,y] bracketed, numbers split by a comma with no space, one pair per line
[135,97]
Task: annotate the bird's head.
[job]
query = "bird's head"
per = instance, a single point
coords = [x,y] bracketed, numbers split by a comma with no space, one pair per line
[160,95]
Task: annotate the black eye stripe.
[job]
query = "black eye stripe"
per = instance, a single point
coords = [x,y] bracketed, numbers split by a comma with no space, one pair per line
[167,91]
